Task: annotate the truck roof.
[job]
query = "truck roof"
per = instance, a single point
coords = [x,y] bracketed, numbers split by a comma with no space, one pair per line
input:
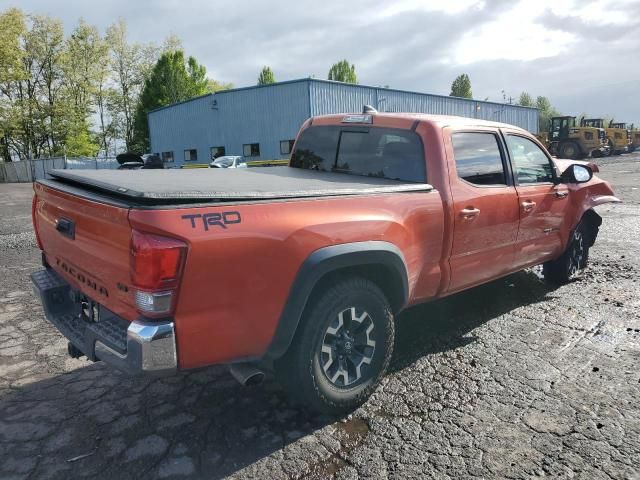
[439,120]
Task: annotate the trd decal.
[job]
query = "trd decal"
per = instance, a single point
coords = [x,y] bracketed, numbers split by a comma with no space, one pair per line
[209,219]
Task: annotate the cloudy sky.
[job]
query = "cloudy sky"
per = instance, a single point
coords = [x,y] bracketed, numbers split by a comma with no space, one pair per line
[584,55]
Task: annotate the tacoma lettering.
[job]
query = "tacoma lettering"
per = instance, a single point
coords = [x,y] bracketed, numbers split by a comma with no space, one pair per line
[81,277]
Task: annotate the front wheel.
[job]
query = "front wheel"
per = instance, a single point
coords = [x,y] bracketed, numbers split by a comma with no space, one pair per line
[565,268]
[569,150]
[341,349]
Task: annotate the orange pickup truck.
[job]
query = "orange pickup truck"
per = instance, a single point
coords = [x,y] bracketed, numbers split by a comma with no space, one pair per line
[303,268]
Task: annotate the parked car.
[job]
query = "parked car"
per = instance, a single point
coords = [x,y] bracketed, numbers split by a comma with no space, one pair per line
[229,161]
[132,161]
[312,262]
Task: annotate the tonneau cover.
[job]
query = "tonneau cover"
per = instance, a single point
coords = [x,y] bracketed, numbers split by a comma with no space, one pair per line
[227,184]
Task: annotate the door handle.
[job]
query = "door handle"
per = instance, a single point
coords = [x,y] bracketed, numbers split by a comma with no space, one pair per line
[528,205]
[469,213]
[562,194]
[66,227]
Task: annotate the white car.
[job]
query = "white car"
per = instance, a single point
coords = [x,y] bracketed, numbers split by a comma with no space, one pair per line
[229,161]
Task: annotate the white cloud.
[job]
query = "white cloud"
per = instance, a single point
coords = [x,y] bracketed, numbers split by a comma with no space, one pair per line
[519,35]
[569,50]
[513,36]
[450,7]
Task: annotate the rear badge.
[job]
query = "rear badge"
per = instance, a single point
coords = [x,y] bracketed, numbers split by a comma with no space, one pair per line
[81,277]
[216,219]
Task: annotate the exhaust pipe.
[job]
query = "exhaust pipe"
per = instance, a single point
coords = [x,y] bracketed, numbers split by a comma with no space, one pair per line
[246,374]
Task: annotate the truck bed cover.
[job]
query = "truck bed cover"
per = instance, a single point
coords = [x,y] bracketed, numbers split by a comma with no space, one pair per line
[230,184]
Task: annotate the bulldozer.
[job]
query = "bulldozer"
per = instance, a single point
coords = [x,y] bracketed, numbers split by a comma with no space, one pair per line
[617,138]
[623,126]
[565,140]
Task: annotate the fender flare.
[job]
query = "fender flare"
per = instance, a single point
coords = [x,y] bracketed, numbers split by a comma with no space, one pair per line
[322,262]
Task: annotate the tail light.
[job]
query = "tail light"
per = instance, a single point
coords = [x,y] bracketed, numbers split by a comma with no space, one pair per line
[156,267]
[34,209]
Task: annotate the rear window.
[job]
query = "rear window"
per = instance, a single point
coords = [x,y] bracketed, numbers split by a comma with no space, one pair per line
[373,152]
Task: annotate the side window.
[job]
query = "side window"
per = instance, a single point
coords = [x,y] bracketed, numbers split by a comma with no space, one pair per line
[478,158]
[191,155]
[286,146]
[167,157]
[530,164]
[217,152]
[251,149]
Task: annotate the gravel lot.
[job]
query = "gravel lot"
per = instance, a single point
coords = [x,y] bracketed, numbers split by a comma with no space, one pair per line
[512,379]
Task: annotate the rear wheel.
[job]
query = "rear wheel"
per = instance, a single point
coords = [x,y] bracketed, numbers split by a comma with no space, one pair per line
[569,150]
[575,258]
[342,347]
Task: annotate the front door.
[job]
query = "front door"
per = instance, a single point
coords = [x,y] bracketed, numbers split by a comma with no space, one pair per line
[542,202]
[485,207]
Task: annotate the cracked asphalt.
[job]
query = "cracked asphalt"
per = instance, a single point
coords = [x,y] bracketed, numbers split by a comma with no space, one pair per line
[509,380]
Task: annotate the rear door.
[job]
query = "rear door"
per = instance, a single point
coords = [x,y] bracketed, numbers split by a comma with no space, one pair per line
[485,206]
[542,201]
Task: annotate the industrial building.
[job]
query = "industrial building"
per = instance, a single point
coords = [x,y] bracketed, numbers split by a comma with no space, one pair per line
[261,122]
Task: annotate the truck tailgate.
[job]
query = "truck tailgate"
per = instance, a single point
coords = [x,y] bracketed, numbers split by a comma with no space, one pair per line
[87,243]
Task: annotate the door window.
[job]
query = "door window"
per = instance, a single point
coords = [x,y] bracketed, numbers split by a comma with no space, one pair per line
[530,163]
[478,158]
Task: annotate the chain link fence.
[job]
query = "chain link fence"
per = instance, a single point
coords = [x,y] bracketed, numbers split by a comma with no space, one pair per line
[31,170]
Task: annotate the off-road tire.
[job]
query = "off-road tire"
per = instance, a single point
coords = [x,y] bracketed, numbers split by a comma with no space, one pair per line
[570,146]
[301,371]
[575,257]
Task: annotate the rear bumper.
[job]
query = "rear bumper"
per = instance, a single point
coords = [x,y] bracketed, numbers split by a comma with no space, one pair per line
[135,347]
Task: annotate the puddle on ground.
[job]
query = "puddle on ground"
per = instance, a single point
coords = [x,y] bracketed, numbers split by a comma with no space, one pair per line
[350,433]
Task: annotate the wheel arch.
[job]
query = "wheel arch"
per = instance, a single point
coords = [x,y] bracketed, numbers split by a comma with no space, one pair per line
[593,220]
[379,261]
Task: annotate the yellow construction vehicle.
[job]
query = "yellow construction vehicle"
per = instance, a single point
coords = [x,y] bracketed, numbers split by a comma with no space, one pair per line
[635,138]
[543,137]
[623,126]
[565,140]
[616,137]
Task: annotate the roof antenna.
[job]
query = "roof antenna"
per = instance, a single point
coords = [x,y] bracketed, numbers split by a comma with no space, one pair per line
[369,109]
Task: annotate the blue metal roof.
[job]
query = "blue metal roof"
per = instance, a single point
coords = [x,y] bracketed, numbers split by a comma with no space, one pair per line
[269,114]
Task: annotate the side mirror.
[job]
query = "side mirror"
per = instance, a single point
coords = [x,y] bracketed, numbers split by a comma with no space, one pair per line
[576,173]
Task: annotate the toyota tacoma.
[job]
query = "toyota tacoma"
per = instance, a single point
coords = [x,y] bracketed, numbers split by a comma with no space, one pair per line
[304,268]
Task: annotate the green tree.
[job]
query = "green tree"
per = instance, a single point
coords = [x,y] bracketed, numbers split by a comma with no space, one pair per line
[461,87]
[12,73]
[525,100]
[84,67]
[173,79]
[343,72]
[266,76]
[131,63]
[32,112]
[546,111]
[214,86]
[80,142]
